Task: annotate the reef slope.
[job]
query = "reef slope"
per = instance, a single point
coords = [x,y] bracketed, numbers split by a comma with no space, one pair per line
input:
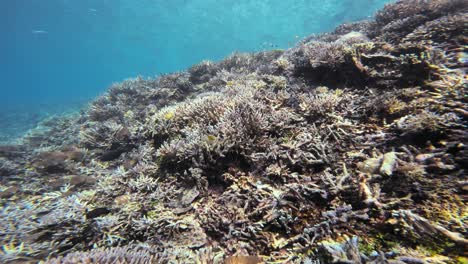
[350,147]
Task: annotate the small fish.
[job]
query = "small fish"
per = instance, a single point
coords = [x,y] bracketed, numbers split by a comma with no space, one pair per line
[93,10]
[39,32]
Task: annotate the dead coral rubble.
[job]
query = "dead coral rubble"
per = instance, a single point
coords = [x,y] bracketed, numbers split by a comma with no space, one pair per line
[349,148]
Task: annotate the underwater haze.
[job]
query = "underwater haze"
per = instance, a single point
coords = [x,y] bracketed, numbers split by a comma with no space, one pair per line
[59,54]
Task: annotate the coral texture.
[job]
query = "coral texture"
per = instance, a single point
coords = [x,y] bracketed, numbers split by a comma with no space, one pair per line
[350,147]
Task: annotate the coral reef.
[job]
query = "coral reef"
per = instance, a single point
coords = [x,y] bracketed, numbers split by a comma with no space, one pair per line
[350,147]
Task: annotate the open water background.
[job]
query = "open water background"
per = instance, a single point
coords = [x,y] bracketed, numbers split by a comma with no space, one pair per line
[56,55]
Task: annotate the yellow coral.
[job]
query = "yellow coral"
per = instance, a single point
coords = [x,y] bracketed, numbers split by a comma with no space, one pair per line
[169,115]
[211,138]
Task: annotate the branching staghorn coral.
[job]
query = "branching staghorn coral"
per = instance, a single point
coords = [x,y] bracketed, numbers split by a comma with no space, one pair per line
[138,255]
[286,155]
[203,111]
[396,21]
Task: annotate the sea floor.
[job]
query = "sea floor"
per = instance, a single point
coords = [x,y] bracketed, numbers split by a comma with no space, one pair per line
[17,121]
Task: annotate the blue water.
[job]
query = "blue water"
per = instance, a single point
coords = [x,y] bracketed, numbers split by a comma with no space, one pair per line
[58,54]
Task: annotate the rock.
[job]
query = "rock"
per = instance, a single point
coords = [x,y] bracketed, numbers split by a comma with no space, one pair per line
[189,196]
[389,162]
[370,166]
[111,154]
[9,192]
[97,212]
[51,161]
[383,164]
[55,161]
[11,150]
[75,155]
[79,180]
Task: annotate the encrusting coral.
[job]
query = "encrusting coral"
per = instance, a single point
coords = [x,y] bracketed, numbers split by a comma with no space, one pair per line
[349,148]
